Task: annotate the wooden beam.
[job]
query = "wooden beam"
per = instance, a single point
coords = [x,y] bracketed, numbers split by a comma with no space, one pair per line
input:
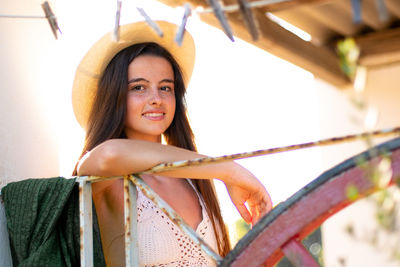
[380,48]
[294,4]
[369,14]
[320,33]
[393,7]
[283,5]
[334,18]
[270,8]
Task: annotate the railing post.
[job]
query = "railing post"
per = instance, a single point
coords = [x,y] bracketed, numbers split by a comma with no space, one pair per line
[85,222]
[130,211]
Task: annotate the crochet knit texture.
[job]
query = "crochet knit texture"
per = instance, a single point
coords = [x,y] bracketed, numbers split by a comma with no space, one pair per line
[162,243]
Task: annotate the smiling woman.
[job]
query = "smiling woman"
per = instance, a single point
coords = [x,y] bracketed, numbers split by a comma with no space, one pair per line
[137,99]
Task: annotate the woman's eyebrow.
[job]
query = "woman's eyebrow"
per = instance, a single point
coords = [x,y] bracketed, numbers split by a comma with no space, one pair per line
[167,81]
[137,80]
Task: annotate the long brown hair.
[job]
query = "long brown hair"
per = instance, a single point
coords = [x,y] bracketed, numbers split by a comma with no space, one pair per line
[106,121]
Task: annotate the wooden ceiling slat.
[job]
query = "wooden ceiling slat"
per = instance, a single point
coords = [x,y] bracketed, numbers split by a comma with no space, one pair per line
[282,5]
[370,16]
[394,7]
[380,47]
[293,4]
[320,33]
[334,18]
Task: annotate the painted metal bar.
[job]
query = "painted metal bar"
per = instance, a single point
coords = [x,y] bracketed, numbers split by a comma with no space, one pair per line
[208,160]
[171,213]
[5,250]
[130,215]
[298,255]
[323,142]
[235,7]
[85,222]
[94,179]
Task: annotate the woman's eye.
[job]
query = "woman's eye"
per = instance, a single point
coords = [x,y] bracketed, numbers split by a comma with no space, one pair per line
[137,88]
[166,88]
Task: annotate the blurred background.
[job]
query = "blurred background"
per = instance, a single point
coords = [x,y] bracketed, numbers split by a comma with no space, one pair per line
[241,98]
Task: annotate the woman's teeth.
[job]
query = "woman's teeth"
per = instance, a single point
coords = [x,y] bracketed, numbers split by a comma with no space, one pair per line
[153,115]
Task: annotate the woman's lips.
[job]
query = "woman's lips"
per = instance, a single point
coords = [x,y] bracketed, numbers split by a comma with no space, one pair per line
[154,115]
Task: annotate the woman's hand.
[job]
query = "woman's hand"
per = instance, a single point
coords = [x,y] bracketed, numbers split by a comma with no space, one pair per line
[244,189]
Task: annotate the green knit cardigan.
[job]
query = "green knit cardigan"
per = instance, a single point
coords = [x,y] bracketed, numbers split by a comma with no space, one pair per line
[43,223]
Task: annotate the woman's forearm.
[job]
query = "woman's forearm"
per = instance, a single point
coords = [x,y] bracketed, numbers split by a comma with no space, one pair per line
[123,156]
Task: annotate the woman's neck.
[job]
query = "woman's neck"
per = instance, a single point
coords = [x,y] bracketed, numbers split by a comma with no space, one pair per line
[148,138]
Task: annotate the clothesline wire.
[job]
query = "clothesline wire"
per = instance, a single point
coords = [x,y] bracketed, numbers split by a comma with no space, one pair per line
[21,16]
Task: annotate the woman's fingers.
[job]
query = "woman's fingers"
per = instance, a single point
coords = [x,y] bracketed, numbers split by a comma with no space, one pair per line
[260,207]
[243,211]
[255,214]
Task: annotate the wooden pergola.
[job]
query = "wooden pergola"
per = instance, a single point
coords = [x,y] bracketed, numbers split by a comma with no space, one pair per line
[376,31]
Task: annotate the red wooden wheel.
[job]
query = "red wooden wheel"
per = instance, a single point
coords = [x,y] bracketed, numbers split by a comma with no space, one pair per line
[280,232]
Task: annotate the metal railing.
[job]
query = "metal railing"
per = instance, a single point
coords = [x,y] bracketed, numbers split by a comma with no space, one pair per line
[131,182]
[130,219]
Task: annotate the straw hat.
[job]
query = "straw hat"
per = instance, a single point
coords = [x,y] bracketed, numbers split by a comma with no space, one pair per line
[100,54]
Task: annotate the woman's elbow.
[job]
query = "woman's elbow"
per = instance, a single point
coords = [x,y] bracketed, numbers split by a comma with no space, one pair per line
[100,161]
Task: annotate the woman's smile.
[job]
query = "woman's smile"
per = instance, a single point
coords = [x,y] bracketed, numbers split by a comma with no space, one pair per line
[154,115]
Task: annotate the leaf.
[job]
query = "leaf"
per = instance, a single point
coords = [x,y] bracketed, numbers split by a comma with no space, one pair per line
[352,192]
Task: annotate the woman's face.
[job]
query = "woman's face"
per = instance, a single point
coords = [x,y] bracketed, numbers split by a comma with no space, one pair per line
[150,99]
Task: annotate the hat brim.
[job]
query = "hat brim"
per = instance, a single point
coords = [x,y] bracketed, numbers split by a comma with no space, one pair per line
[100,54]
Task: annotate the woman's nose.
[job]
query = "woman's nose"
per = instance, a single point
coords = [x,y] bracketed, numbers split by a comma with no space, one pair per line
[155,97]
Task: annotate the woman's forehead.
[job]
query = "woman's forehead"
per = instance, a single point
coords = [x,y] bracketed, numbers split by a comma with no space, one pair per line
[149,64]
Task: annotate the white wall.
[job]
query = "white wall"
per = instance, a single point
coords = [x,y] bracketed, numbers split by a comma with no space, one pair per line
[28,139]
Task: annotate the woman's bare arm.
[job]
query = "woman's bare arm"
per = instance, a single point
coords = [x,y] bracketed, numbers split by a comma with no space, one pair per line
[124,156]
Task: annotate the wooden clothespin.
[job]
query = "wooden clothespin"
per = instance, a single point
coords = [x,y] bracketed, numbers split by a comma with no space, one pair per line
[151,23]
[51,18]
[219,13]
[382,10]
[248,18]
[356,7]
[181,30]
[117,20]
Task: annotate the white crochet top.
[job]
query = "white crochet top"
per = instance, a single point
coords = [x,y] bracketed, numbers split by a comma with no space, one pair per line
[162,243]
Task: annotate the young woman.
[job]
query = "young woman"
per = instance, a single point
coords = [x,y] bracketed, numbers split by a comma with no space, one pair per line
[127,95]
